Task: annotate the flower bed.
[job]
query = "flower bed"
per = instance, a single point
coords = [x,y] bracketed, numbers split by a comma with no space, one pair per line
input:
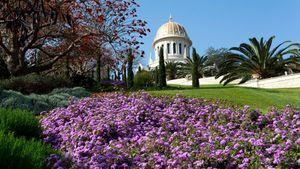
[139,131]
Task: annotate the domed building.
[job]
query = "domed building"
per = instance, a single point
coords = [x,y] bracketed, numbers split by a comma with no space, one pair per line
[174,40]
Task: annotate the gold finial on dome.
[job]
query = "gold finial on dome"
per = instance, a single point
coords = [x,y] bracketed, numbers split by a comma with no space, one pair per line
[170,18]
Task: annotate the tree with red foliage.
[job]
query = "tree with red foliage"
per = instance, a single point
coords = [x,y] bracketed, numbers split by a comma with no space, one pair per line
[54,27]
[28,25]
[113,24]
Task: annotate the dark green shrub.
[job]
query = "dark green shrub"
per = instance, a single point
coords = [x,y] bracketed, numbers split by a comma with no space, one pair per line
[83,81]
[19,153]
[38,84]
[109,86]
[104,88]
[143,79]
[19,122]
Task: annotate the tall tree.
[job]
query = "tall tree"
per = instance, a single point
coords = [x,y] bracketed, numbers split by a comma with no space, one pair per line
[4,73]
[214,58]
[56,27]
[259,60]
[129,70]
[124,72]
[35,25]
[98,69]
[195,73]
[162,69]
[156,76]
[114,24]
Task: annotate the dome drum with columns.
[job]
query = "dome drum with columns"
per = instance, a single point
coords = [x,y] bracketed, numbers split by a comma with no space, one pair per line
[174,40]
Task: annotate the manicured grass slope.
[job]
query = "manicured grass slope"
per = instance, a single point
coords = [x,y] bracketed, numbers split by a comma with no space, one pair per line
[256,98]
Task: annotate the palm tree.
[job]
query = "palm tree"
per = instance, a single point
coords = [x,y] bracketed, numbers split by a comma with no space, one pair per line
[258,60]
[173,70]
[202,60]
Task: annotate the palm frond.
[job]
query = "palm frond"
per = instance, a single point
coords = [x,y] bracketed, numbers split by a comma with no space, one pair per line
[258,58]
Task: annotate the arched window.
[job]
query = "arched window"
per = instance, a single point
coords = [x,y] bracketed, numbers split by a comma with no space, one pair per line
[180,49]
[168,48]
[174,48]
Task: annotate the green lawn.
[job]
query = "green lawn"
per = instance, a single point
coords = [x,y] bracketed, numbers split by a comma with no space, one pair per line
[256,98]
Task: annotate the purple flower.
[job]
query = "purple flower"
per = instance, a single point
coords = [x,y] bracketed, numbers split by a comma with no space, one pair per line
[223,142]
[298,141]
[139,131]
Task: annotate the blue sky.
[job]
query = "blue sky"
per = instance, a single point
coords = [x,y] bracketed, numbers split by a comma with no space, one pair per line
[223,23]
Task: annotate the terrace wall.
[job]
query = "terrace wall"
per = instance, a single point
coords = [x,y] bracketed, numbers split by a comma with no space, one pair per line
[289,81]
[203,81]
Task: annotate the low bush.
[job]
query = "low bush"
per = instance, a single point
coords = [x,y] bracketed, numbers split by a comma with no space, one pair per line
[78,92]
[38,103]
[143,79]
[15,100]
[19,122]
[38,84]
[19,153]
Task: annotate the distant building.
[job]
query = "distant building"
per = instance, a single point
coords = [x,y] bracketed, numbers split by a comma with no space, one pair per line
[174,40]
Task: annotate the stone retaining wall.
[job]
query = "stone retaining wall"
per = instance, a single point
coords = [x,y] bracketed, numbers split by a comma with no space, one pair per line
[289,81]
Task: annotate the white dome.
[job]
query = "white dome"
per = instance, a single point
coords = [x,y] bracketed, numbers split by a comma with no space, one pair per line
[173,39]
[171,29]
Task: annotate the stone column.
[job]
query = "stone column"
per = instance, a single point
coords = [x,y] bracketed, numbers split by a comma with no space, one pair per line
[177,47]
[156,53]
[184,51]
[166,50]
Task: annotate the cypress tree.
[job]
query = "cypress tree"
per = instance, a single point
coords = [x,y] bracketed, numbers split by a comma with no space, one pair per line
[195,75]
[156,76]
[129,70]
[162,69]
